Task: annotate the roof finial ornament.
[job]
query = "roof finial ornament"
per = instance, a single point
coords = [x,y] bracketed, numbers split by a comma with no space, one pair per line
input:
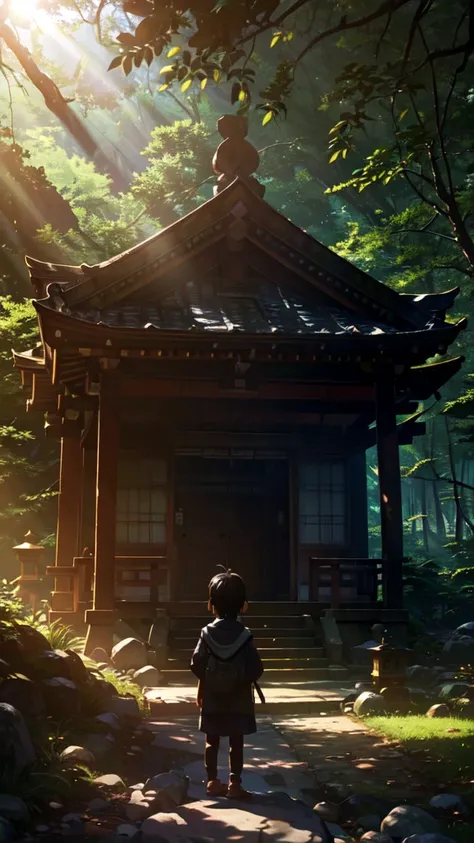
[235,156]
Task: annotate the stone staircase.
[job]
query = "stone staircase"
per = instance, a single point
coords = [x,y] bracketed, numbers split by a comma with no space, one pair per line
[284,633]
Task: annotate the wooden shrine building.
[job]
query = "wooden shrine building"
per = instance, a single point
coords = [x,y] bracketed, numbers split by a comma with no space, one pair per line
[215,390]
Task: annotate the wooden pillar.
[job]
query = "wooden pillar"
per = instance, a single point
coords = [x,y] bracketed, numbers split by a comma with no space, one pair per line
[69,508]
[101,618]
[391,515]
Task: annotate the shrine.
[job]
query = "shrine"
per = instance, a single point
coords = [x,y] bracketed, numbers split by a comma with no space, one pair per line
[215,390]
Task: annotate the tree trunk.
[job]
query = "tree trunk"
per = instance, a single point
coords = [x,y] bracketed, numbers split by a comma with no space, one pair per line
[424,515]
[59,106]
[438,511]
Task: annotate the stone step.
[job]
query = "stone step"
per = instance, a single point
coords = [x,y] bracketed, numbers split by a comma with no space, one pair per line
[269,663]
[297,623]
[293,653]
[181,676]
[296,644]
[197,608]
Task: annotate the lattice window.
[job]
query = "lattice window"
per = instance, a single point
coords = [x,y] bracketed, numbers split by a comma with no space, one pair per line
[141,500]
[322,503]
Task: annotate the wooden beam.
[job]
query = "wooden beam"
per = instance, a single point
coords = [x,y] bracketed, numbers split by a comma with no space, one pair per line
[391,515]
[102,617]
[69,506]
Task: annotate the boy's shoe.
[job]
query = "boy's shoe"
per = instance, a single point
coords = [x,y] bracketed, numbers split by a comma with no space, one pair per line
[216,788]
[236,791]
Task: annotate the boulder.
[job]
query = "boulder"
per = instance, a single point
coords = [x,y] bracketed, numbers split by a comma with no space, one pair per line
[61,695]
[458,651]
[139,808]
[464,708]
[172,784]
[360,804]
[31,640]
[376,837]
[448,803]
[129,653]
[13,808]
[78,672]
[100,656]
[453,691]
[126,708]
[99,806]
[110,720]
[24,695]
[466,630]
[12,653]
[52,663]
[17,748]
[163,827]
[328,811]
[408,819]
[439,710]
[99,745]
[7,833]
[110,782]
[428,838]
[147,677]
[126,832]
[369,703]
[369,822]
[420,676]
[77,755]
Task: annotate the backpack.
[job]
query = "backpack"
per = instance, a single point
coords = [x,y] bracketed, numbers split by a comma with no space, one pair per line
[226,672]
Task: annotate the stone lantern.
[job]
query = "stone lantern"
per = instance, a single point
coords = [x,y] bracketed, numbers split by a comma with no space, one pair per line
[30,556]
[389,666]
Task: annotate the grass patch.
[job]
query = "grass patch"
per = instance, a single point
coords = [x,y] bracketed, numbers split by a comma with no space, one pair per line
[446,744]
[124,685]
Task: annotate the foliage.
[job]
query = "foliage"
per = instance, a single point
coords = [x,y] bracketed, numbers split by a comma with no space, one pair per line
[61,636]
[123,684]
[11,605]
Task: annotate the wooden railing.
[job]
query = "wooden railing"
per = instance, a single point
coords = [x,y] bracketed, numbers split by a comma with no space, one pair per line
[137,579]
[338,581]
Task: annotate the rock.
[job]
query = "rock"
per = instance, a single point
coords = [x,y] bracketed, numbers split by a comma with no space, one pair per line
[15,741]
[13,808]
[99,656]
[369,822]
[139,807]
[78,672]
[448,803]
[458,651]
[439,710]
[61,695]
[362,804]
[408,819]
[110,720]
[376,837]
[31,640]
[466,630]
[147,677]
[420,676]
[24,695]
[73,824]
[162,827]
[464,708]
[6,831]
[111,782]
[74,755]
[99,745]
[453,691]
[52,663]
[174,785]
[328,811]
[126,708]
[369,703]
[99,806]
[129,653]
[428,838]
[126,832]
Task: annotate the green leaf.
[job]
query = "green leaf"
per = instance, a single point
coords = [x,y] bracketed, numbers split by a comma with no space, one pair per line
[170,68]
[162,88]
[204,83]
[217,75]
[335,156]
[267,118]
[275,39]
[173,52]
[186,85]
[242,96]
[403,114]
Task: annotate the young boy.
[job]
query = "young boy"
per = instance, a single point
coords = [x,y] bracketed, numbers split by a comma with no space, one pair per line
[227,664]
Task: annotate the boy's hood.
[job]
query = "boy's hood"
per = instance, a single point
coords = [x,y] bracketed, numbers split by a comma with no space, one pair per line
[225,638]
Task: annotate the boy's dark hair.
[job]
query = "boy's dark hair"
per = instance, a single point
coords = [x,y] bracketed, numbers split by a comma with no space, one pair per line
[227,594]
